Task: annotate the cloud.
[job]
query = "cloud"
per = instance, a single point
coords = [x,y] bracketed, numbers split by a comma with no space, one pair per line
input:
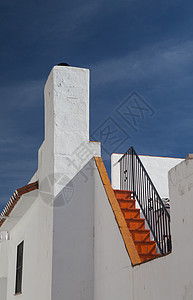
[21,95]
[158,62]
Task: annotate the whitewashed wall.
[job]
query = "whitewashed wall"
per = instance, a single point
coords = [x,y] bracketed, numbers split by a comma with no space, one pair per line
[4,246]
[3,269]
[73,241]
[3,288]
[157,168]
[112,266]
[171,277]
[32,227]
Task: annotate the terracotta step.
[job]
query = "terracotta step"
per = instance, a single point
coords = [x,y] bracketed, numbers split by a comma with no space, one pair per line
[130,203]
[145,257]
[145,247]
[131,213]
[122,195]
[140,234]
[136,223]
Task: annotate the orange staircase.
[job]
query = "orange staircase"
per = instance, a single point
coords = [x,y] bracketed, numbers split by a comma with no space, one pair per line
[141,236]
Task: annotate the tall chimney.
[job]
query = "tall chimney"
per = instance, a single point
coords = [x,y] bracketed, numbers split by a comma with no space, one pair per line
[63,153]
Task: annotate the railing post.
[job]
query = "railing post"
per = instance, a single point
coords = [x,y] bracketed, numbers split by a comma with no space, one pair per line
[133,176]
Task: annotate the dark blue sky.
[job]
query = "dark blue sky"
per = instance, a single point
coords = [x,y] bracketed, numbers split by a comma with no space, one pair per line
[133,45]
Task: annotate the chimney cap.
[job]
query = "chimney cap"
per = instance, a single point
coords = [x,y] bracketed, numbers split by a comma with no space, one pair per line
[63,64]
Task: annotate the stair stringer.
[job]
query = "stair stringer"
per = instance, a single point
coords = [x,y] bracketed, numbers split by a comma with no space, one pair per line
[126,235]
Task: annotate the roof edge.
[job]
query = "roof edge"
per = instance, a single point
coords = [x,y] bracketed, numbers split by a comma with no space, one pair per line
[15,198]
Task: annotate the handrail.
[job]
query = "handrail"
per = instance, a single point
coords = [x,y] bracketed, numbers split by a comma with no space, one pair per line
[134,177]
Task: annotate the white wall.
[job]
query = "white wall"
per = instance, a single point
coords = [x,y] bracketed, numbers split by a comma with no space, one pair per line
[89,256]
[3,269]
[3,288]
[157,168]
[33,228]
[112,266]
[168,277]
[90,260]
[73,247]
[4,246]
[171,277]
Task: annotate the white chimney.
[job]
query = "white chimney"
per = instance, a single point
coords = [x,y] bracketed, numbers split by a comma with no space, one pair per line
[66,148]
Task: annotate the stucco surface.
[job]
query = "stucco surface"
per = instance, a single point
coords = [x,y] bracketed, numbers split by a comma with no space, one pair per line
[171,277]
[73,246]
[34,229]
[3,288]
[112,266]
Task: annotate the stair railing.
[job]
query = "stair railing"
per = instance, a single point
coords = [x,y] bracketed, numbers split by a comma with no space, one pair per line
[134,177]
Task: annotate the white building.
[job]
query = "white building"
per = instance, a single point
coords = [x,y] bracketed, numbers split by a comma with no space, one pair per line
[68,235]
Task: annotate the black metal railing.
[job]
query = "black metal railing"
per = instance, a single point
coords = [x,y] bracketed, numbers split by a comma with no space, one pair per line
[134,177]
